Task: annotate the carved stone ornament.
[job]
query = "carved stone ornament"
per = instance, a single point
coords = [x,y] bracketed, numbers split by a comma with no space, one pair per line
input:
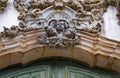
[59,34]
[3,5]
[14,30]
[60,20]
[36,14]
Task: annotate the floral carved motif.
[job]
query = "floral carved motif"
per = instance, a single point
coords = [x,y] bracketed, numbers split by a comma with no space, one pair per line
[15,30]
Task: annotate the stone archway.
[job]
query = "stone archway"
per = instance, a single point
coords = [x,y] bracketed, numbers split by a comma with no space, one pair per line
[22,43]
[56,67]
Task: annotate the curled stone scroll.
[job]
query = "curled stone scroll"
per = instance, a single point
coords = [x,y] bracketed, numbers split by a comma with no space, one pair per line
[3,5]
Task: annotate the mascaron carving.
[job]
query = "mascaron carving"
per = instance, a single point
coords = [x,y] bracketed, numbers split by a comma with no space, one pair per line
[59,34]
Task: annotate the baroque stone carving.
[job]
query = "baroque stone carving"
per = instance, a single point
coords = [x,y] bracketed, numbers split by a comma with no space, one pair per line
[3,5]
[60,19]
[34,8]
[59,34]
[14,30]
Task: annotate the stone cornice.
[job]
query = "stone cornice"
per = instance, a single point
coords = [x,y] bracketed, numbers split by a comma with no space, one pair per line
[95,50]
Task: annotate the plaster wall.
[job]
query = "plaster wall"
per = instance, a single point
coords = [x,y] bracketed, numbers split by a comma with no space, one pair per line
[111,29]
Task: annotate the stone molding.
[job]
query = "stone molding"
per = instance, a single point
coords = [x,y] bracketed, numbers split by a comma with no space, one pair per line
[93,49]
[23,43]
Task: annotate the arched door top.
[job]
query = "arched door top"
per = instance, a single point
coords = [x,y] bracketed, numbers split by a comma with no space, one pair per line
[56,67]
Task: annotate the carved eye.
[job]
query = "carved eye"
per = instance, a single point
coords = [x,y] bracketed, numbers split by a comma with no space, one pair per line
[39,23]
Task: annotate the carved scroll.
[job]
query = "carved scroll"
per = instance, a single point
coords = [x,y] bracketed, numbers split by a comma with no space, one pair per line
[3,5]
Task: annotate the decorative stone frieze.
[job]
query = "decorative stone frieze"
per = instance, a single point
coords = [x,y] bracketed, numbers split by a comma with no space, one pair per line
[52,15]
[31,13]
[38,14]
[35,8]
[61,20]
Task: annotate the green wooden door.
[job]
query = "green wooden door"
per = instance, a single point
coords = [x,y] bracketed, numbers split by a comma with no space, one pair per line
[33,72]
[53,72]
[56,69]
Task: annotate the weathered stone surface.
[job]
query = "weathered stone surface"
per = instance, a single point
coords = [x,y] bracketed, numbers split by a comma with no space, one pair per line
[72,24]
[94,50]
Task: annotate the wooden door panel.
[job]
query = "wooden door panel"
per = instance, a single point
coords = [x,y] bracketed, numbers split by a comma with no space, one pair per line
[73,72]
[57,69]
[33,72]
